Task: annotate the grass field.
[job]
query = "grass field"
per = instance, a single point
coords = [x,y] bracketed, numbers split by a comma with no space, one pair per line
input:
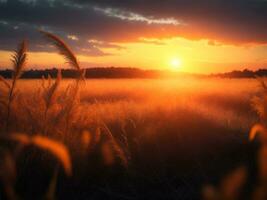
[135,139]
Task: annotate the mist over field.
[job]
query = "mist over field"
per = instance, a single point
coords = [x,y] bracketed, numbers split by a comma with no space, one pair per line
[172,137]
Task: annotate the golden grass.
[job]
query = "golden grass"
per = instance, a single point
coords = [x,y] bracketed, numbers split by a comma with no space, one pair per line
[57,149]
[49,110]
[19,62]
[231,186]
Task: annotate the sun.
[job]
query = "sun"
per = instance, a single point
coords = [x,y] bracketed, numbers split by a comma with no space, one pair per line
[175,63]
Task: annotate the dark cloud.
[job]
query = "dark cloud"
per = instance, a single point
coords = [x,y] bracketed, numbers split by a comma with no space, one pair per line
[12,33]
[232,21]
[65,18]
[109,21]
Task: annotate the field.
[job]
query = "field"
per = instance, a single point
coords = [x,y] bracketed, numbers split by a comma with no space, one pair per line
[134,138]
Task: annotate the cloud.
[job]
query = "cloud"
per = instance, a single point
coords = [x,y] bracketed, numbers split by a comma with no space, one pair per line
[103,44]
[130,16]
[73,37]
[64,19]
[151,41]
[12,33]
[229,21]
[214,43]
[93,52]
[115,21]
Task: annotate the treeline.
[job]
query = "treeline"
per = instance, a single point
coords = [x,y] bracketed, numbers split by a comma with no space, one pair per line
[116,72]
[242,74]
[110,72]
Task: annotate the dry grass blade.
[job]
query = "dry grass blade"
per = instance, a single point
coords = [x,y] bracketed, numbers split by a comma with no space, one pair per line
[63,49]
[57,149]
[19,59]
[50,92]
[107,153]
[21,138]
[118,151]
[19,62]
[257,128]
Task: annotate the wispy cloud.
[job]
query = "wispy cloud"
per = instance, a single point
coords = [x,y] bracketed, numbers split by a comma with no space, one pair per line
[103,44]
[130,16]
[73,37]
[92,52]
[151,41]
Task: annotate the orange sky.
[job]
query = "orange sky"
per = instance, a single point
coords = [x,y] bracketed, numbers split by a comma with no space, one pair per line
[207,36]
[196,56]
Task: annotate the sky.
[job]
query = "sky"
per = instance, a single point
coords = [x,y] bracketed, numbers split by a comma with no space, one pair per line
[197,36]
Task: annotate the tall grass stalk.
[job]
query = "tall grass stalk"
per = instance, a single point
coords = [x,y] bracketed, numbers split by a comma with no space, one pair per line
[65,51]
[49,96]
[72,60]
[19,61]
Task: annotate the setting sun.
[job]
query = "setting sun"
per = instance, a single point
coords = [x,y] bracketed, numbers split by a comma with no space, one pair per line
[175,63]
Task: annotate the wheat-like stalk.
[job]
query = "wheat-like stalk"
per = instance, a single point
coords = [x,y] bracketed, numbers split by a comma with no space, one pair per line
[63,49]
[71,59]
[114,147]
[19,61]
[49,96]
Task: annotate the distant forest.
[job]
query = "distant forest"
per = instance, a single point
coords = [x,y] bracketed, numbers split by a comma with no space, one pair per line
[242,74]
[116,72]
[109,72]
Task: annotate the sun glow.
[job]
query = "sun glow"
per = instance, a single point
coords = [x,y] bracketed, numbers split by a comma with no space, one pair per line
[175,54]
[175,63]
